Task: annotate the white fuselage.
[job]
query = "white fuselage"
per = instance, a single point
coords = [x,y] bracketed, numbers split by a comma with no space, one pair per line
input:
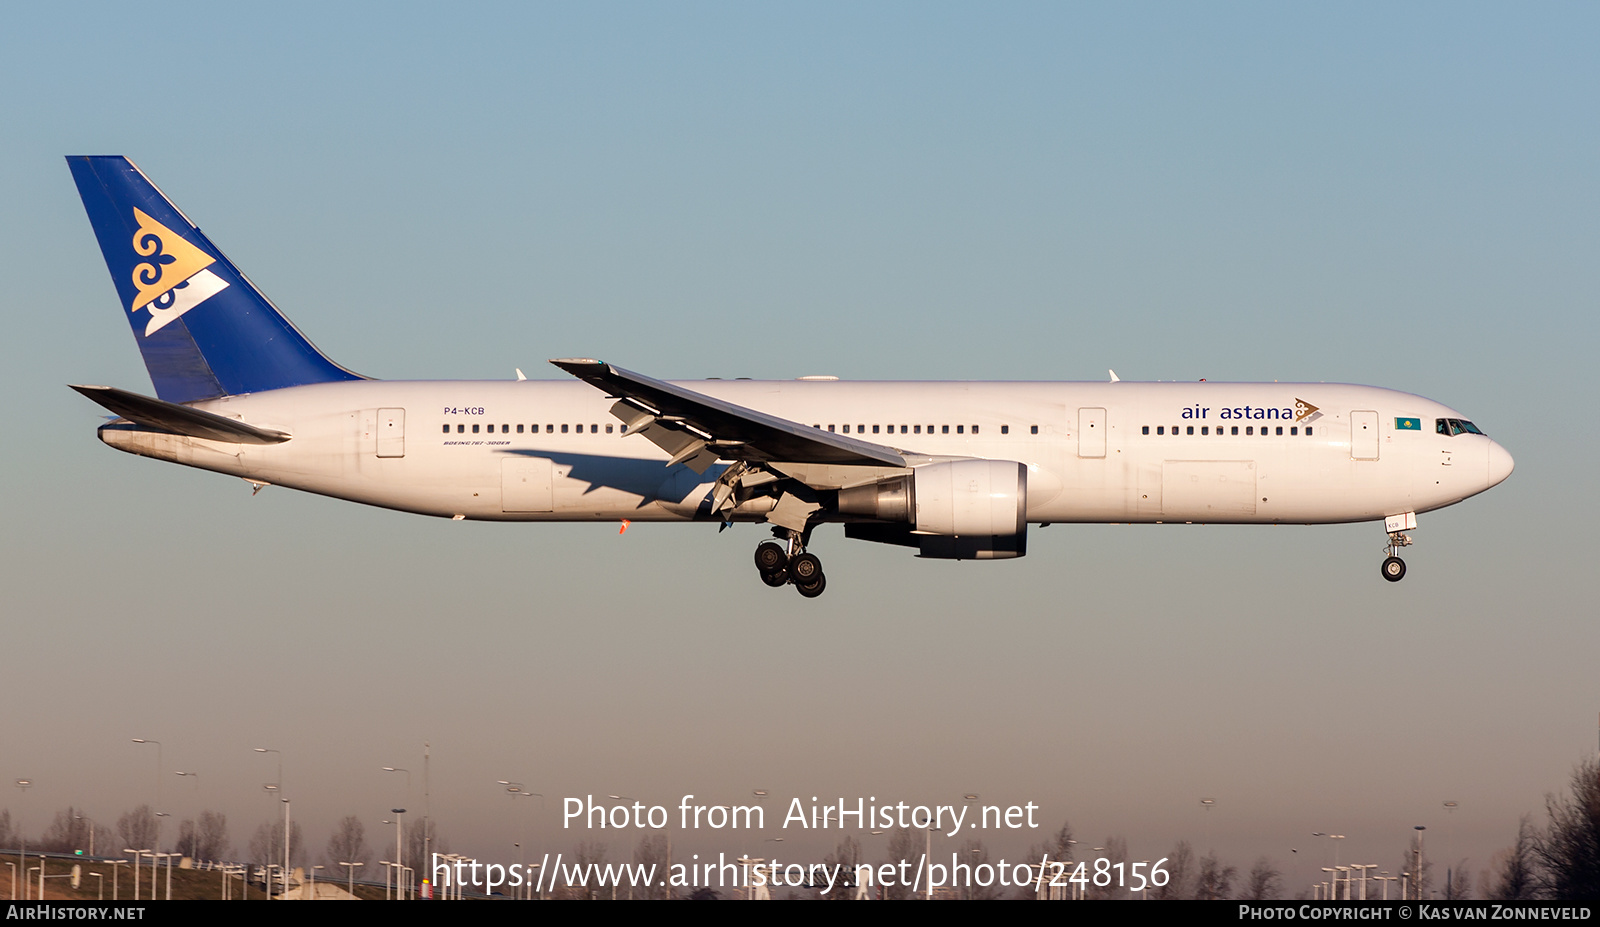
[534,450]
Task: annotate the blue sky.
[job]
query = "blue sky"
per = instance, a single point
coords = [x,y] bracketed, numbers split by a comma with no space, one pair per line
[1402,196]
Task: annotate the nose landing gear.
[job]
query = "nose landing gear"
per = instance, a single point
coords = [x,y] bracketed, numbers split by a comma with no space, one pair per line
[1394,569]
[782,564]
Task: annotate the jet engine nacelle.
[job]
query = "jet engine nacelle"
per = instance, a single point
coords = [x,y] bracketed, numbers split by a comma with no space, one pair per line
[956,509]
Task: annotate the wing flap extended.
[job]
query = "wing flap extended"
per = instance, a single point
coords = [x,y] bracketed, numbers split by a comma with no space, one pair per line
[698,429]
[179,419]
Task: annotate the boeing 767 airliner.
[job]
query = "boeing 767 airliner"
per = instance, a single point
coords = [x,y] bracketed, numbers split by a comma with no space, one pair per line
[954,470]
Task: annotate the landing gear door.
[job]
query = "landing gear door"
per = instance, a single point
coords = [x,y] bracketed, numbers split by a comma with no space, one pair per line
[1091,432]
[391,432]
[1363,435]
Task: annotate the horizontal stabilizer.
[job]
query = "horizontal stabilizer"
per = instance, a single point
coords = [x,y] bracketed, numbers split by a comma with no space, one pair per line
[182,420]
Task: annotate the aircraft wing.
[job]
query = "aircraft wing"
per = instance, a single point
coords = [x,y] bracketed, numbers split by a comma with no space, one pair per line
[179,419]
[697,429]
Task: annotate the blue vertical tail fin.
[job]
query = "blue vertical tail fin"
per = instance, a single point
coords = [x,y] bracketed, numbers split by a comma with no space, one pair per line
[204,329]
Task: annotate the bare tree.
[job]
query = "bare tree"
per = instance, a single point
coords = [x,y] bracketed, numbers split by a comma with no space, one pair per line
[1215,882]
[1116,851]
[1569,849]
[207,839]
[422,842]
[8,834]
[975,854]
[1516,868]
[1057,848]
[1265,881]
[588,857]
[69,831]
[1416,888]
[137,829]
[266,846]
[847,856]
[901,848]
[1181,874]
[348,844]
[652,851]
[1458,882]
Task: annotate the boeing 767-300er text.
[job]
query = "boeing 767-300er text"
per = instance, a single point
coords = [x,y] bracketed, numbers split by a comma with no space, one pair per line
[953,470]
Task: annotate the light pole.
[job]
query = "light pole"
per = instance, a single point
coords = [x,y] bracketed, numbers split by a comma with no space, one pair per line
[88,822]
[194,830]
[159,815]
[515,790]
[285,849]
[278,785]
[350,883]
[159,767]
[22,847]
[135,871]
[1416,870]
[399,850]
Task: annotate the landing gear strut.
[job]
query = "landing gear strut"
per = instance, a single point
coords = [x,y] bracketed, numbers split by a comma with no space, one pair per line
[1394,569]
[785,561]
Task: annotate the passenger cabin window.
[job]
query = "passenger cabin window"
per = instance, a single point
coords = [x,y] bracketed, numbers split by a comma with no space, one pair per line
[1033,429]
[447,428]
[1005,429]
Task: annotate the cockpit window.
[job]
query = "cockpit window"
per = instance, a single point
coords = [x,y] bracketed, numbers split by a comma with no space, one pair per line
[1456,426]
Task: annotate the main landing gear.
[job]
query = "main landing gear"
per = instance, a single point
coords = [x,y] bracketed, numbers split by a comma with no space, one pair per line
[783,563]
[1394,569]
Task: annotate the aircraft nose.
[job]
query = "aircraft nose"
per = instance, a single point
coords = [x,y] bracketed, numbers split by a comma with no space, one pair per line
[1500,463]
